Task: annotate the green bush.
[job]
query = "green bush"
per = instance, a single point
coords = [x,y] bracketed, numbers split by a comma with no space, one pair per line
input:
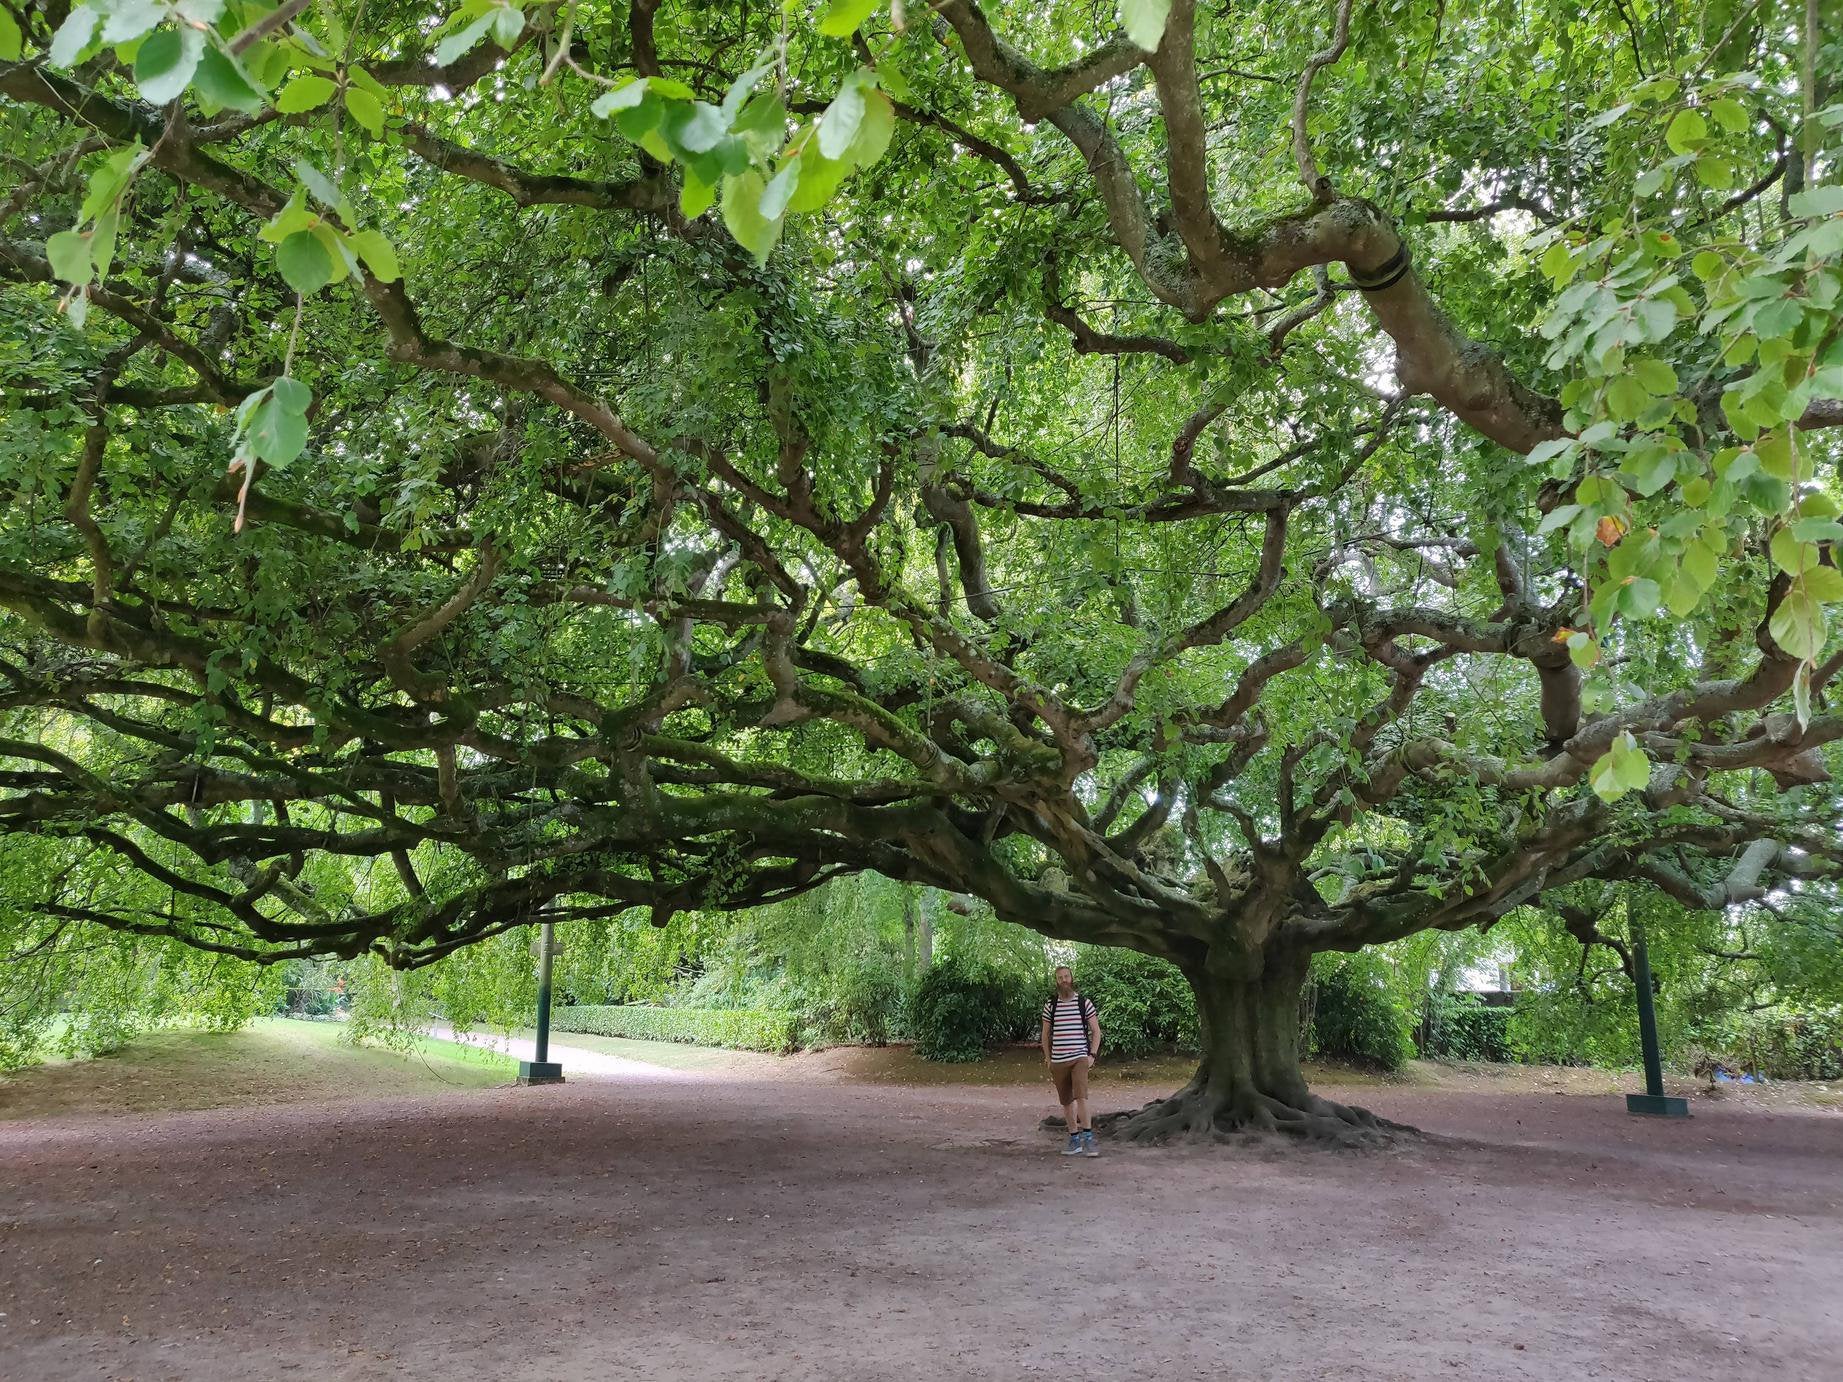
[1355,1015]
[1788,1046]
[863,1006]
[962,1009]
[1146,1005]
[740,1029]
[1459,1027]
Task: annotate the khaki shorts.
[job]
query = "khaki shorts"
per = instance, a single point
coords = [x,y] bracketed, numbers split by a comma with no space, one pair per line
[1071,1079]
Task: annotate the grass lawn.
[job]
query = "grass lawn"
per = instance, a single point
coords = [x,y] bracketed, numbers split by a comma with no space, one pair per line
[273,1060]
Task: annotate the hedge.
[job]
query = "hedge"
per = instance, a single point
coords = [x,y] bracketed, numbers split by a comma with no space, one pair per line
[1462,1028]
[738,1029]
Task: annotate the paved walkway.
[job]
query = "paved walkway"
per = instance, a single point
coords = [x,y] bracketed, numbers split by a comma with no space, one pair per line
[578,1062]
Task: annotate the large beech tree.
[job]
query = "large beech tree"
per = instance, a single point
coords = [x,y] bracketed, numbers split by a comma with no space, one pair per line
[1229,480]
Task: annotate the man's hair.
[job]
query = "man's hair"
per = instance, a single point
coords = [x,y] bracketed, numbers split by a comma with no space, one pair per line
[1066,969]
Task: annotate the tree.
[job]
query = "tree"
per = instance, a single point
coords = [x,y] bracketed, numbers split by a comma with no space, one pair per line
[1213,487]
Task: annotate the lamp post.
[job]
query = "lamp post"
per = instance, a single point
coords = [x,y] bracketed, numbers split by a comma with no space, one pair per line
[1653,1103]
[543,1070]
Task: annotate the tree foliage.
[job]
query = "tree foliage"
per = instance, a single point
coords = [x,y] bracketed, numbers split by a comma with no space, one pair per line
[1246,483]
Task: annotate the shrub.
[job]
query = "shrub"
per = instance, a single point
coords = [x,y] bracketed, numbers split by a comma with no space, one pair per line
[1146,1004]
[1354,1012]
[1788,1046]
[1459,1027]
[310,989]
[960,1010]
[739,1029]
[863,1006]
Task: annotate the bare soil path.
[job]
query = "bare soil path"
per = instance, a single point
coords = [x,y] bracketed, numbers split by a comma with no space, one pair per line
[738,1227]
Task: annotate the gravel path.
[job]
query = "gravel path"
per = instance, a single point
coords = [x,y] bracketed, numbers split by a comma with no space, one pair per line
[729,1228]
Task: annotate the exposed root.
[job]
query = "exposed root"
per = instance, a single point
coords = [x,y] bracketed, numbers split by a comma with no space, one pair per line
[1198,1116]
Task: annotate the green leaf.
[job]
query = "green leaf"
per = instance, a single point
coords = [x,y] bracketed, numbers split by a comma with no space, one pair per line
[1687,132]
[1558,262]
[1558,517]
[1700,564]
[1798,625]
[309,91]
[110,179]
[874,131]
[11,40]
[123,21]
[695,197]
[1640,597]
[291,394]
[819,179]
[1818,529]
[1626,398]
[1144,22]
[1729,113]
[508,24]
[164,66]
[623,97]
[462,41]
[780,190]
[1778,457]
[1654,180]
[742,197]
[304,262]
[1658,377]
[292,217]
[73,36]
[843,17]
[364,81]
[69,253]
[1824,584]
[694,128]
[324,189]
[1622,768]
[839,125]
[1630,765]
[221,80]
[379,254]
[278,425]
[1817,201]
[365,108]
[1583,651]
[1682,594]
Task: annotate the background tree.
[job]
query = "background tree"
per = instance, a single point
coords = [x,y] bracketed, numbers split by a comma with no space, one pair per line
[1255,482]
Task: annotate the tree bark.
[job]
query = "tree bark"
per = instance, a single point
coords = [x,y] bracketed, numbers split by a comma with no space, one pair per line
[908,932]
[1248,1079]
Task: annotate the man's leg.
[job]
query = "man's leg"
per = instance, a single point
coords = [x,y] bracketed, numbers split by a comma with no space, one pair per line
[1063,1076]
[1078,1092]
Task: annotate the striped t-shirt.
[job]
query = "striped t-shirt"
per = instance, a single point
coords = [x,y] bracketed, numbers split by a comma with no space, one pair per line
[1068,1035]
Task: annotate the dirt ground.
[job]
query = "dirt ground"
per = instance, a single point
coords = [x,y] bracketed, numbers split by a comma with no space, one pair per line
[713,1223]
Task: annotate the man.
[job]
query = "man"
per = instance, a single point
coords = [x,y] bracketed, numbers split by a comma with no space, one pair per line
[1071,1041]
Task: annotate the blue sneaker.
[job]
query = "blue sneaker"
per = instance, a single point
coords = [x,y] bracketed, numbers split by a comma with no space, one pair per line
[1074,1147]
[1087,1143]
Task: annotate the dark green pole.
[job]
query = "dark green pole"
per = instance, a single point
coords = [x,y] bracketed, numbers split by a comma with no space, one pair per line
[547,939]
[1653,1101]
[1647,1011]
[543,1070]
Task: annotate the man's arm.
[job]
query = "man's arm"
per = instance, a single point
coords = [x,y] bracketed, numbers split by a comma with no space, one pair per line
[1094,1034]
[1045,1041]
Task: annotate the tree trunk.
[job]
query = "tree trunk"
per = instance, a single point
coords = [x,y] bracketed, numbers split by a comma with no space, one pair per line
[1249,1078]
[908,933]
[925,938]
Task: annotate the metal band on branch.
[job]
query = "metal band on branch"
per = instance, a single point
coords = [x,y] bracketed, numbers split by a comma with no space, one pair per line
[1391,272]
